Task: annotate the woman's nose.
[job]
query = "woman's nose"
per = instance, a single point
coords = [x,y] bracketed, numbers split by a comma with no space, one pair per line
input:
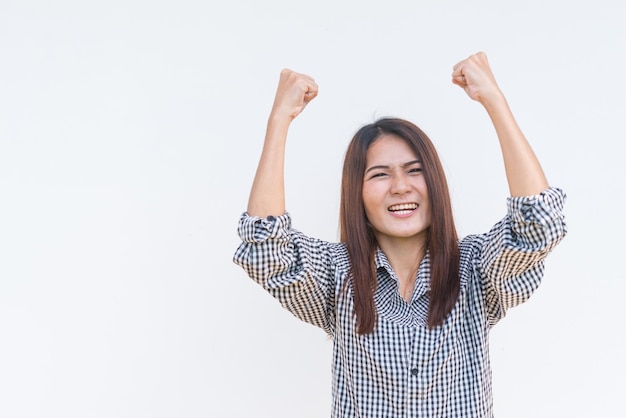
[400,184]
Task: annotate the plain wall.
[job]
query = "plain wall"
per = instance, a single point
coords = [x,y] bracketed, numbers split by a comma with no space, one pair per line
[129,136]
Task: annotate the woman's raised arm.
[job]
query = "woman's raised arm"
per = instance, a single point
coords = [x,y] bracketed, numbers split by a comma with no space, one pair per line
[294,92]
[523,171]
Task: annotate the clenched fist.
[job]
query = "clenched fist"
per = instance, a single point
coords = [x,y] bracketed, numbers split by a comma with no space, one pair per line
[474,75]
[294,92]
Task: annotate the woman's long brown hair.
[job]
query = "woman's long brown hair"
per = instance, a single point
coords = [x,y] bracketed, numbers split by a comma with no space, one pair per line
[359,237]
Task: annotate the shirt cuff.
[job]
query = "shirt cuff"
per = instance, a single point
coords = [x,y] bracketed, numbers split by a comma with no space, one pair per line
[255,229]
[541,208]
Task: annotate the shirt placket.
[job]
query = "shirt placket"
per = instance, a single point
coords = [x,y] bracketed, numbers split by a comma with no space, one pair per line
[419,379]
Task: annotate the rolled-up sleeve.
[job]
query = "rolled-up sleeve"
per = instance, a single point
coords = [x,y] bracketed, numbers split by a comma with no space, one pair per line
[295,269]
[513,252]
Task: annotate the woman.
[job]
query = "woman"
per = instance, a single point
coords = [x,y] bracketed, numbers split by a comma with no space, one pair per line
[408,306]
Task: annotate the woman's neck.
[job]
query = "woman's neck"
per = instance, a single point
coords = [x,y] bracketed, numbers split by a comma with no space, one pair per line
[405,256]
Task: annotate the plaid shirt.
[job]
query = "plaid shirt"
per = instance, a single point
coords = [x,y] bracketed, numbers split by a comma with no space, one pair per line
[403,369]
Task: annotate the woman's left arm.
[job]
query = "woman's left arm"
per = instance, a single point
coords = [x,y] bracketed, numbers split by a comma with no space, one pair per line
[523,171]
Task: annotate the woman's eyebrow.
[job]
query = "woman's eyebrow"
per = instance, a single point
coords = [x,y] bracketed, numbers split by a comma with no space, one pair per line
[376,167]
[386,167]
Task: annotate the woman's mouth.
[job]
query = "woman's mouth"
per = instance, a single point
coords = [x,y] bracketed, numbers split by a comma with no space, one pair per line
[403,208]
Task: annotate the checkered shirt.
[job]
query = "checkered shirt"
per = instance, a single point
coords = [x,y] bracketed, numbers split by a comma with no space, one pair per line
[404,369]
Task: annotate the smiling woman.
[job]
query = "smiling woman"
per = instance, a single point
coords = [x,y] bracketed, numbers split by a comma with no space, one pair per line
[408,305]
[393,191]
[388,163]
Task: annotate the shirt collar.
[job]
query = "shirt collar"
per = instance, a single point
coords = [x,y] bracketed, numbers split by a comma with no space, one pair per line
[422,282]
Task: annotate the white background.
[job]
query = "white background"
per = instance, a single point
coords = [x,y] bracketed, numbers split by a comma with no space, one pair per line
[129,136]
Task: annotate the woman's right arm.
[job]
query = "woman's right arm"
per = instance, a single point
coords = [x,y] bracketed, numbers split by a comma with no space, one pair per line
[267,196]
[295,269]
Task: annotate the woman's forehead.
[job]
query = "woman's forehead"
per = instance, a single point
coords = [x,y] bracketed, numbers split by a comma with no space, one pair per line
[390,150]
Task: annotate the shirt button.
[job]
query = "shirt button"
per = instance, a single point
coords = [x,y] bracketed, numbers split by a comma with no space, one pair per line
[414,372]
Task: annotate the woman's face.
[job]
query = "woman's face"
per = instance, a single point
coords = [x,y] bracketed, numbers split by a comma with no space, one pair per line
[394,192]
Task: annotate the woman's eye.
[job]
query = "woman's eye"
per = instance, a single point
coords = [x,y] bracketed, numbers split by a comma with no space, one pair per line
[378,175]
[415,170]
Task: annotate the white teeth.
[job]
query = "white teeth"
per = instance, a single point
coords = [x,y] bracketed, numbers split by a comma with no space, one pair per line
[403,207]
